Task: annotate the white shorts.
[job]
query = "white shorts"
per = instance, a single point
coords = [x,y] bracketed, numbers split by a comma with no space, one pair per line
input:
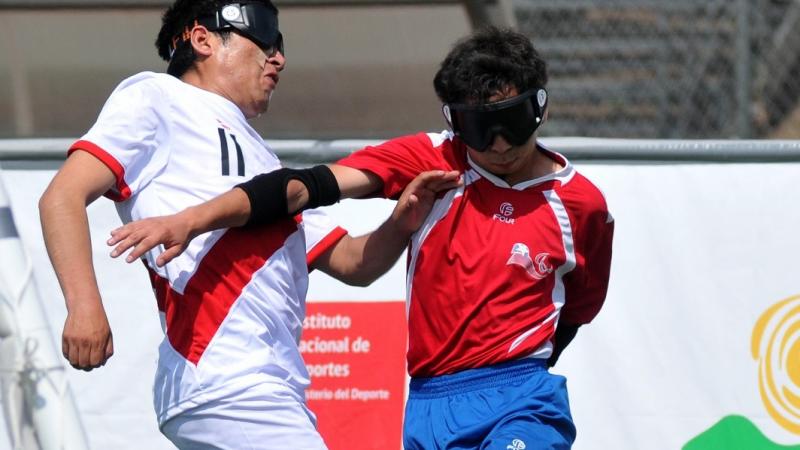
[256,419]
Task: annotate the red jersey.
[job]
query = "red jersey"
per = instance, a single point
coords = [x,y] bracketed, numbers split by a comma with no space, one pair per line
[495,267]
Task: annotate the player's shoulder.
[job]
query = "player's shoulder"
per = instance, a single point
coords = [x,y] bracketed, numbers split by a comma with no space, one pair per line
[445,148]
[421,141]
[587,191]
[139,96]
[582,183]
[423,145]
[584,200]
[577,189]
[441,140]
[148,84]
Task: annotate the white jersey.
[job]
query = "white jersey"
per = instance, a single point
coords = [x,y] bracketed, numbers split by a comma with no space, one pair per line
[233,303]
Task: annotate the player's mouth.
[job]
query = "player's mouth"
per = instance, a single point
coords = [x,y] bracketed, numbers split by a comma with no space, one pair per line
[504,164]
[504,161]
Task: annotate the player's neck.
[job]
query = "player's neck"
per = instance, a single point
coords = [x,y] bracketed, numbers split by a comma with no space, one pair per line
[539,164]
[542,164]
[204,81]
[194,78]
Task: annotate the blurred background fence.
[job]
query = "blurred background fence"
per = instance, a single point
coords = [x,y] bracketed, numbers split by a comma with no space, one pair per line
[669,69]
[688,69]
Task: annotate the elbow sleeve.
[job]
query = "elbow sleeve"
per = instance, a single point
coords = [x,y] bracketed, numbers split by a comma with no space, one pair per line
[268,192]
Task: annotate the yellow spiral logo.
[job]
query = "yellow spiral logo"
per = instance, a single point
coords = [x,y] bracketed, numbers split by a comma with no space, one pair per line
[775,345]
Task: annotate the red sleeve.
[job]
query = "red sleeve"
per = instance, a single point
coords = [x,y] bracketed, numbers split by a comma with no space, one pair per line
[587,284]
[400,160]
[121,191]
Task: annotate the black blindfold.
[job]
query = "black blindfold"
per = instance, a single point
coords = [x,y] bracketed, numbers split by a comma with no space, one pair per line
[514,118]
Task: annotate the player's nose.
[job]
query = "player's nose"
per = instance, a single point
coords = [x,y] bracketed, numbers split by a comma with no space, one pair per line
[278,60]
[499,145]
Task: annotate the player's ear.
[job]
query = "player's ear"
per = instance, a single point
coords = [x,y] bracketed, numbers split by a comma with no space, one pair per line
[202,41]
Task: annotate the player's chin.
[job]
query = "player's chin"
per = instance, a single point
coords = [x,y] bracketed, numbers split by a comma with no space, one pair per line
[261,106]
[254,110]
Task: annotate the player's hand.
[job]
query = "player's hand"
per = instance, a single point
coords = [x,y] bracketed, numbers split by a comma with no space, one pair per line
[416,201]
[173,232]
[87,342]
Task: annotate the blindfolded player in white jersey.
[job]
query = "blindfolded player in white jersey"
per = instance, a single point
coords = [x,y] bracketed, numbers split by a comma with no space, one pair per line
[230,374]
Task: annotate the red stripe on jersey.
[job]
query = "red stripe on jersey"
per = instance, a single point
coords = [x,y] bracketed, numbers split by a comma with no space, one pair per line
[195,316]
[324,244]
[123,191]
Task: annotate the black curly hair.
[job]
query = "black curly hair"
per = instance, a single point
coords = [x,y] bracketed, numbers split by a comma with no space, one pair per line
[488,62]
[176,18]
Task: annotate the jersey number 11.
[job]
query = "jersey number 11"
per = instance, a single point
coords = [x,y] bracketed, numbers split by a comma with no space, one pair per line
[226,164]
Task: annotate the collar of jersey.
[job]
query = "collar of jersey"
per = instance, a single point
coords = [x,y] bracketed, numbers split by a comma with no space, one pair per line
[564,175]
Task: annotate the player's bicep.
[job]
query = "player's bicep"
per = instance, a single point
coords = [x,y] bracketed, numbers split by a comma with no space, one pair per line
[356,183]
[82,176]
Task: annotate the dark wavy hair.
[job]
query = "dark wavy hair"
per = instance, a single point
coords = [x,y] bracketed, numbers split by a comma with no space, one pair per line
[487,62]
[176,18]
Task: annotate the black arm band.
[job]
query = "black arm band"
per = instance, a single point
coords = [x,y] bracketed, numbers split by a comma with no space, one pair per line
[564,335]
[267,192]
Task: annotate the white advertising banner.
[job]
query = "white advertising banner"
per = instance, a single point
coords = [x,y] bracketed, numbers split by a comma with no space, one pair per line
[696,348]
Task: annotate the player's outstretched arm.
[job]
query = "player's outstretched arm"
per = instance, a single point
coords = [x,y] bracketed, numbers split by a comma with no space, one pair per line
[259,200]
[86,341]
[360,261]
[175,231]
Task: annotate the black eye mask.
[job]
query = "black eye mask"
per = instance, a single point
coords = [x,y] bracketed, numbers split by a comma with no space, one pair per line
[255,21]
[514,118]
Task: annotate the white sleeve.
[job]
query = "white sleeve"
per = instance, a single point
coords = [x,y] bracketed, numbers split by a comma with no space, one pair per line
[130,134]
[321,233]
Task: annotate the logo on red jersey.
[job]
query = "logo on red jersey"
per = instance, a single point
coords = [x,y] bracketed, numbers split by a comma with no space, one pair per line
[538,267]
[506,210]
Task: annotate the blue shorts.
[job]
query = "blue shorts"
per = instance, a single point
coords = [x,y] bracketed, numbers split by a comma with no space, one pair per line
[510,406]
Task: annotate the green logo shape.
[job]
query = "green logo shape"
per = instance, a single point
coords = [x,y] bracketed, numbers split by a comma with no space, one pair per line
[734,433]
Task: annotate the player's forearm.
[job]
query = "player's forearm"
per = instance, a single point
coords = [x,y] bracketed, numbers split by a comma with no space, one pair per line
[352,183]
[65,226]
[65,229]
[86,341]
[382,249]
[370,256]
[296,197]
[285,192]
[231,209]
